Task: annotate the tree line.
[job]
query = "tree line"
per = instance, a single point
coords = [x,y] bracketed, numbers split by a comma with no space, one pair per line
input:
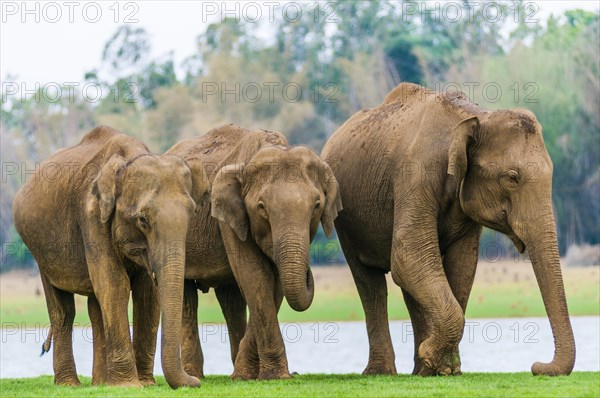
[311,75]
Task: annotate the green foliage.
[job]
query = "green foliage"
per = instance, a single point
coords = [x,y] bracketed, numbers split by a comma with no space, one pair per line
[127,47]
[312,74]
[578,384]
[14,252]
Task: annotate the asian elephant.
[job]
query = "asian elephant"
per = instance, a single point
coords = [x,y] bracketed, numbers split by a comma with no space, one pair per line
[267,200]
[419,175]
[105,218]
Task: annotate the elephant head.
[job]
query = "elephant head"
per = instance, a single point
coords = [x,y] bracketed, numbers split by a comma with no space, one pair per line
[147,202]
[503,176]
[278,198]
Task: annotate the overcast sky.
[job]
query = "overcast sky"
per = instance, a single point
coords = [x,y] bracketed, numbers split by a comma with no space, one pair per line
[68,37]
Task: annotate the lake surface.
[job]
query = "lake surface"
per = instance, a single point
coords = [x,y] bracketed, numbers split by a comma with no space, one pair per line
[488,345]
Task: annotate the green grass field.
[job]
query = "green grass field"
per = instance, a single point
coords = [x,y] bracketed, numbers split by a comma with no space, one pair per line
[579,384]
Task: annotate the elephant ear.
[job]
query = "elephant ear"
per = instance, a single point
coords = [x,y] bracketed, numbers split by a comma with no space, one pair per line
[105,185]
[463,136]
[333,202]
[200,185]
[227,201]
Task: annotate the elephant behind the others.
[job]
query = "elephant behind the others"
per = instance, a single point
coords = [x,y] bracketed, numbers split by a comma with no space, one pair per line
[253,243]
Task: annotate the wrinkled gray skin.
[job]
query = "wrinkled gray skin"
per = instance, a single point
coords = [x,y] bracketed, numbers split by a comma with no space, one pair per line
[100,218]
[419,175]
[267,200]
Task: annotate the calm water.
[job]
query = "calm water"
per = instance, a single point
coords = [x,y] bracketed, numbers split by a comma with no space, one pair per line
[489,345]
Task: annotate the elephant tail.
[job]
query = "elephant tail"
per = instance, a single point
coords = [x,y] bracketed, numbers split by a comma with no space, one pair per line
[47,344]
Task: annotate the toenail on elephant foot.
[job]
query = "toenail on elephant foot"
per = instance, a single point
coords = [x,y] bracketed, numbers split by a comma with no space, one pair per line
[435,361]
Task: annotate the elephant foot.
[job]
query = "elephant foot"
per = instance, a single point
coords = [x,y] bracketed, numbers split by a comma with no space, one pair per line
[147,381]
[97,381]
[421,369]
[194,371]
[436,362]
[67,382]
[244,374]
[274,374]
[388,368]
[246,366]
[128,384]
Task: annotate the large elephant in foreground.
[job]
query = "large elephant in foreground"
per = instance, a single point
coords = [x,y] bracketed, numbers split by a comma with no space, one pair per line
[104,218]
[267,200]
[419,175]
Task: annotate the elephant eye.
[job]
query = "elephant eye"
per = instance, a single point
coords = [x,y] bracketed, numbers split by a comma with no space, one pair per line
[261,209]
[512,177]
[142,220]
[318,205]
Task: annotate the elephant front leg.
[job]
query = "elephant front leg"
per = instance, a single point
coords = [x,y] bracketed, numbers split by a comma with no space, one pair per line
[146,317]
[122,370]
[255,277]
[417,268]
[192,358]
[273,362]
[262,350]
[112,288]
[247,364]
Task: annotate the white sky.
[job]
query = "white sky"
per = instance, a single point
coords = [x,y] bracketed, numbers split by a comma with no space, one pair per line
[63,51]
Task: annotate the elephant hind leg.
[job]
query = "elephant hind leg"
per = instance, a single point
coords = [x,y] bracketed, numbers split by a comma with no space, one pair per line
[61,310]
[233,306]
[372,289]
[460,264]
[99,370]
[192,358]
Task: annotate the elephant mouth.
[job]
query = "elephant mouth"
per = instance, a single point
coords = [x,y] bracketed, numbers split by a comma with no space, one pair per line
[518,242]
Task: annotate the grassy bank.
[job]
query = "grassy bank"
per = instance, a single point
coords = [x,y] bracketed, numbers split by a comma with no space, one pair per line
[499,291]
[579,384]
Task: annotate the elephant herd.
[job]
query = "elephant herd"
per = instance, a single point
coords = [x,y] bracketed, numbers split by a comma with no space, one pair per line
[236,210]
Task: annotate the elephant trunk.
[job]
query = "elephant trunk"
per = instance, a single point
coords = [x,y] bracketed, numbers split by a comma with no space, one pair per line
[543,252]
[169,268]
[291,252]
